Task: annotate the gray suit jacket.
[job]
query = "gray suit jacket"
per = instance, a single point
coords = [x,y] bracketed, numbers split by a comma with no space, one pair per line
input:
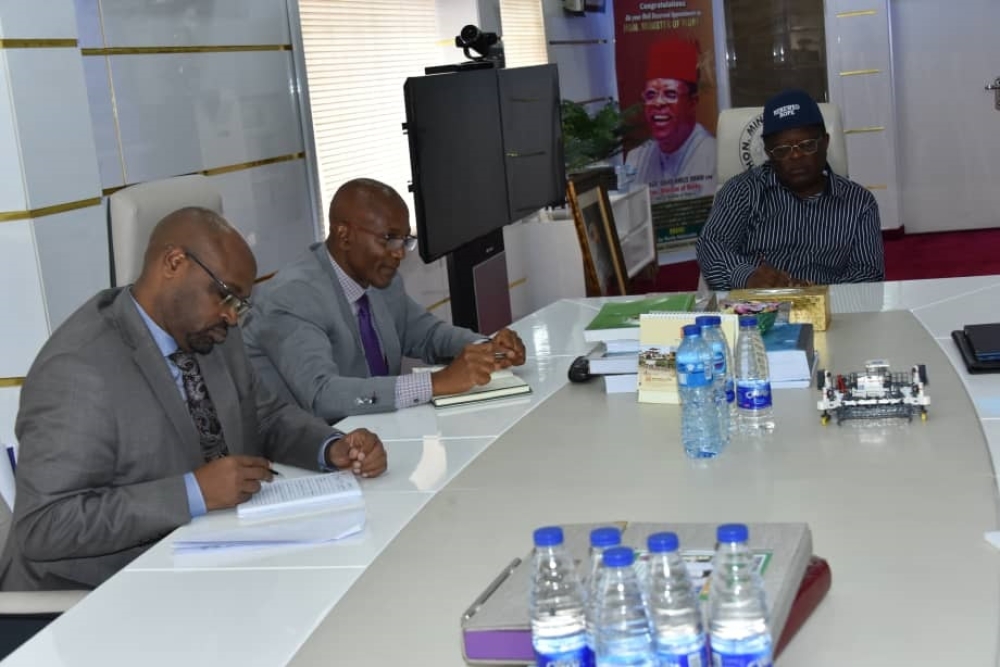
[105,439]
[303,339]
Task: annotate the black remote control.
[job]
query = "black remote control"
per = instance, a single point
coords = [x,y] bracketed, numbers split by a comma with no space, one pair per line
[579,370]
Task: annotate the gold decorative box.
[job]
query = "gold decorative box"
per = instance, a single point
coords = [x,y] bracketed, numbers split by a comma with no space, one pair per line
[809,304]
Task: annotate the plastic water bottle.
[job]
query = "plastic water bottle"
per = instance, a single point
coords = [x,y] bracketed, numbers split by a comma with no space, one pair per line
[556,604]
[725,389]
[753,380]
[739,631]
[673,608]
[699,417]
[622,636]
[601,539]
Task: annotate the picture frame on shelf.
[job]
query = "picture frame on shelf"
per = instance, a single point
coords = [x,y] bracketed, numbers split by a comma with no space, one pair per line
[603,262]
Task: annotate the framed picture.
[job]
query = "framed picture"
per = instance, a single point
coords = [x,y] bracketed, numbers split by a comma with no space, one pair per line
[603,264]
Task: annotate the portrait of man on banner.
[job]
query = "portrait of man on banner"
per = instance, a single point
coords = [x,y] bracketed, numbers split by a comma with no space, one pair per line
[679,154]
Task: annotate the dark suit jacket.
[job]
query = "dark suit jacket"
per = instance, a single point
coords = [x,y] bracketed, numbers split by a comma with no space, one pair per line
[105,439]
[303,339]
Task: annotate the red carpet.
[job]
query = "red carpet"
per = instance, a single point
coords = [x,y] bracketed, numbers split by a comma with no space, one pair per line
[908,257]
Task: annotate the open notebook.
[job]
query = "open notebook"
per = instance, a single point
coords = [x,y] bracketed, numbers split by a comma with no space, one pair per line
[502,383]
[299,495]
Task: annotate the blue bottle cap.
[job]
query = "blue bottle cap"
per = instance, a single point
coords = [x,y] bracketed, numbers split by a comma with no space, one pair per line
[548,536]
[691,330]
[662,543]
[608,536]
[618,557]
[708,320]
[732,532]
[748,321]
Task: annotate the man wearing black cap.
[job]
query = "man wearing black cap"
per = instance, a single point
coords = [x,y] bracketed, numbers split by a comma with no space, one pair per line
[791,221]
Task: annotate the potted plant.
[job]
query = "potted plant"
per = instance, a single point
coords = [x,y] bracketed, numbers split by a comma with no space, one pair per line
[590,140]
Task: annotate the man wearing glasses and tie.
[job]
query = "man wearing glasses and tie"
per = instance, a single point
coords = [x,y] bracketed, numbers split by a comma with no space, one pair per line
[330,331]
[791,221]
[141,412]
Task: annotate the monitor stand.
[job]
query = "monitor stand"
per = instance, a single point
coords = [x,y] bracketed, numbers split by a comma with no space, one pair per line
[477,278]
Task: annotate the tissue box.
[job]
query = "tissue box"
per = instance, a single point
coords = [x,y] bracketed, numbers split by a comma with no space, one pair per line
[809,304]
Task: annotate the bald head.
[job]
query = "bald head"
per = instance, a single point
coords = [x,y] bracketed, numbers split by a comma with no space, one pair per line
[360,195]
[195,266]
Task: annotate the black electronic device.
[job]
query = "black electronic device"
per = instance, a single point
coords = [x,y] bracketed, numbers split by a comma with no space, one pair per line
[485,151]
[579,370]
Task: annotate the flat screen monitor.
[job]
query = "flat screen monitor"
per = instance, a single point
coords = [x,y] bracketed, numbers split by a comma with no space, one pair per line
[456,154]
[485,151]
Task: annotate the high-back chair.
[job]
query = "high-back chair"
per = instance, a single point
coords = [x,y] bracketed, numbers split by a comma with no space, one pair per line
[135,210]
[24,612]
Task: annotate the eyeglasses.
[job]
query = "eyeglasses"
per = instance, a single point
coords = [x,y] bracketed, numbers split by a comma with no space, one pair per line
[230,299]
[807,147]
[654,96]
[390,241]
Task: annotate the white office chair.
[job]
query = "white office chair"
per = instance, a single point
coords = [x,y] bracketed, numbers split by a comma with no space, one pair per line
[26,603]
[739,147]
[135,210]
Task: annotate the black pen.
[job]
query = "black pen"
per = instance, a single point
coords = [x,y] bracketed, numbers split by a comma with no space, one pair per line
[274,472]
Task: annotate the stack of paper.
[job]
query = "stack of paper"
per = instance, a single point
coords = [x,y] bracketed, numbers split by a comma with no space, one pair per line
[302,510]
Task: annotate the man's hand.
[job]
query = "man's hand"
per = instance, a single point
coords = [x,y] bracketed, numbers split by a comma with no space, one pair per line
[768,276]
[509,344]
[361,451]
[470,368]
[231,480]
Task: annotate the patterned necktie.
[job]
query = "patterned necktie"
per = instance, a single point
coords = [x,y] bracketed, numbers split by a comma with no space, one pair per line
[369,339]
[206,420]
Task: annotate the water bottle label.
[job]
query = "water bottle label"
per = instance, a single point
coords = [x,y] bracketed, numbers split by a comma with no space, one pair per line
[756,659]
[754,396]
[671,659]
[730,391]
[692,374]
[579,657]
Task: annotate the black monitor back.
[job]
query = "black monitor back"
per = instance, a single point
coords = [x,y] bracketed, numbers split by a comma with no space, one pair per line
[485,150]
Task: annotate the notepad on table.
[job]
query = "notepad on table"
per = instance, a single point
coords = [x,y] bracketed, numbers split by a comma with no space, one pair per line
[301,495]
[502,383]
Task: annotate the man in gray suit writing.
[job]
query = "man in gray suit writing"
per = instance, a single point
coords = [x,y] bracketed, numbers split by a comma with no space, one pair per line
[330,331]
[140,413]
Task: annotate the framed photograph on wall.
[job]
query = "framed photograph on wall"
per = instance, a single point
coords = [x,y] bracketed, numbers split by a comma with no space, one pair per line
[603,263]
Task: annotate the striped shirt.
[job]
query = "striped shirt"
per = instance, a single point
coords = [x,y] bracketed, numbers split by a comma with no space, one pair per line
[411,389]
[832,237]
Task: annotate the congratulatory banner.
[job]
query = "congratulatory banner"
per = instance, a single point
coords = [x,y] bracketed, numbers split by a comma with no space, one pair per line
[664,51]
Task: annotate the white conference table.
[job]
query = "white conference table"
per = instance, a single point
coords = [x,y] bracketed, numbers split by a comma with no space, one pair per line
[362,600]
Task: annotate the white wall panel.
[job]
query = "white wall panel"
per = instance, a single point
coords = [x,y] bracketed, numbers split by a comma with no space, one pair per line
[188,112]
[562,26]
[9,397]
[12,195]
[194,22]
[88,24]
[73,257]
[25,328]
[586,72]
[53,125]
[270,206]
[102,116]
[427,284]
[862,42]
[37,19]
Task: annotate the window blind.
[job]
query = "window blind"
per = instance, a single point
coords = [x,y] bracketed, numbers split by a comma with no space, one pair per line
[358,53]
[523,33]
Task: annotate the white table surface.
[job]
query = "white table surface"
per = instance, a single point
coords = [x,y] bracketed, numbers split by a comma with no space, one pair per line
[260,609]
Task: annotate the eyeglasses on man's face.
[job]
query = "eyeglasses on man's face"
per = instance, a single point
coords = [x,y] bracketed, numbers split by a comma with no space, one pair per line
[390,241]
[784,151]
[230,299]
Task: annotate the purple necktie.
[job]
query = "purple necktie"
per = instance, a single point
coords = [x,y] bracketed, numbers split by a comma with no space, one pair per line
[373,351]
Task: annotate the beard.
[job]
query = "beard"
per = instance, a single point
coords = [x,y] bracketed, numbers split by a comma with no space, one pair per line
[203,341]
